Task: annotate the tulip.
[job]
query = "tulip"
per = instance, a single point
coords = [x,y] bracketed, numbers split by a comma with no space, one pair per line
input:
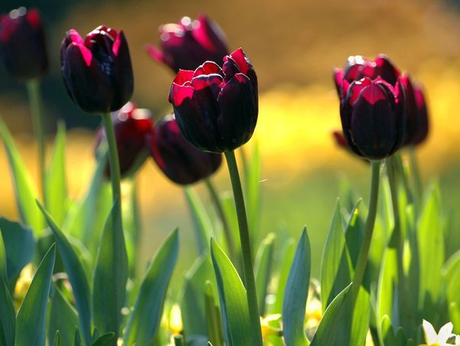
[189,44]
[216,108]
[416,113]
[373,120]
[358,67]
[97,71]
[180,161]
[23,44]
[132,125]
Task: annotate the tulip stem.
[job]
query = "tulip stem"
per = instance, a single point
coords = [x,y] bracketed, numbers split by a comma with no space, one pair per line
[368,231]
[36,108]
[220,211]
[115,175]
[248,270]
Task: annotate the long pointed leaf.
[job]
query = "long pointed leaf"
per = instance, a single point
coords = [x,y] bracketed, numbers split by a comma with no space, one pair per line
[111,271]
[145,319]
[77,277]
[31,320]
[233,300]
[296,294]
[62,318]
[263,268]
[56,185]
[24,190]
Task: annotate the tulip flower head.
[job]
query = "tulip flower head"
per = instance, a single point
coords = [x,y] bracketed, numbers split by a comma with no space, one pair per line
[132,125]
[417,124]
[97,70]
[180,161]
[372,115]
[23,44]
[189,43]
[358,67]
[216,108]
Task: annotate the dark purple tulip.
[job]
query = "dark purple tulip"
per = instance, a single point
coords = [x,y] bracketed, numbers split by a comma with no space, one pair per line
[97,71]
[358,67]
[132,126]
[23,44]
[340,140]
[417,123]
[216,109]
[189,43]
[373,120]
[177,158]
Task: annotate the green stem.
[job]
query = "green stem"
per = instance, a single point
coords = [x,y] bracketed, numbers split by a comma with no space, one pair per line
[248,270]
[392,168]
[35,100]
[368,231]
[115,175]
[417,181]
[401,172]
[136,222]
[220,211]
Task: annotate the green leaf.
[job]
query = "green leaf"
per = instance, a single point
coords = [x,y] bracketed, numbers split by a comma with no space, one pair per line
[335,264]
[431,248]
[354,232]
[263,269]
[233,300]
[24,190]
[213,320]
[57,339]
[19,245]
[191,301]
[327,332]
[287,256]
[31,320]
[62,318]
[296,294]
[105,340]
[7,316]
[3,258]
[111,271]
[77,277]
[145,320]
[202,223]
[56,199]
[388,335]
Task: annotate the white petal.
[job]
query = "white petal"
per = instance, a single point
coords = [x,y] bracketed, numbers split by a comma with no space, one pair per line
[445,333]
[431,337]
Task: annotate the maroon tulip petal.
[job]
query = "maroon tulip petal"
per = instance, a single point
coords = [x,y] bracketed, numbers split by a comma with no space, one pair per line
[179,93]
[155,53]
[209,67]
[123,83]
[386,70]
[183,76]
[88,86]
[210,35]
[238,112]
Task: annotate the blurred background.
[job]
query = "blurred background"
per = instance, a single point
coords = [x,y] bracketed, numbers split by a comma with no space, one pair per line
[294,45]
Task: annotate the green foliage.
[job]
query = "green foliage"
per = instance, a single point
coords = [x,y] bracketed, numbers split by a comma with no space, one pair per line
[233,300]
[31,320]
[144,321]
[296,293]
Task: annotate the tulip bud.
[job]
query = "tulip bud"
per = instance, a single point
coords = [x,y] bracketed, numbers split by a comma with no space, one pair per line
[177,158]
[132,125]
[373,118]
[23,44]
[358,67]
[189,44]
[416,113]
[97,71]
[216,109]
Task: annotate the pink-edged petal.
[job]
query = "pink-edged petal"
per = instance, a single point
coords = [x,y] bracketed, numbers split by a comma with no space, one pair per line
[212,80]
[355,89]
[155,53]
[122,72]
[241,60]
[208,67]
[386,69]
[33,18]
[179,93]
[338,80]
[183,76]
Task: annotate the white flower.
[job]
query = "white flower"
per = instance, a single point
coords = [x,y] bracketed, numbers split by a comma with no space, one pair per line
[438,339]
